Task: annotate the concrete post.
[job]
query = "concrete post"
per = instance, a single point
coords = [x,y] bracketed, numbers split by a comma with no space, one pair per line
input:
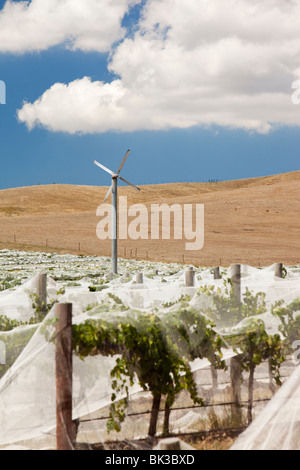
[190,277]
[170,444]
[139,278]
[173,444]
[216,272]
[63,373]
[279,270]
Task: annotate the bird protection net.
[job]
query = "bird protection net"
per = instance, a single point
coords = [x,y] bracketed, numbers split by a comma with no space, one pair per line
[150,355]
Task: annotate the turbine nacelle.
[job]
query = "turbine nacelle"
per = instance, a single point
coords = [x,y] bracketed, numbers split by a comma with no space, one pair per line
[116,175]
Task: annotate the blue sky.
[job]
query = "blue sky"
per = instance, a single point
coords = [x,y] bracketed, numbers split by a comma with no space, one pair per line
[175,133]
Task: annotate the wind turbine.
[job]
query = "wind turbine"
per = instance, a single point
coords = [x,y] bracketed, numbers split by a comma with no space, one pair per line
[114,213]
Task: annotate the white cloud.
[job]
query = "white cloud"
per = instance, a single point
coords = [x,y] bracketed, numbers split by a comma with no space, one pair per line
[82,106]
[89,25]
[198,62]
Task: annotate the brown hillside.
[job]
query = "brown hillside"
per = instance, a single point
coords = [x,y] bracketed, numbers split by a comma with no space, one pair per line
[253,221]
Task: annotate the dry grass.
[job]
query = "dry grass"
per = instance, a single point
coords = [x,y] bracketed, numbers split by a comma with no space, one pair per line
[254,221]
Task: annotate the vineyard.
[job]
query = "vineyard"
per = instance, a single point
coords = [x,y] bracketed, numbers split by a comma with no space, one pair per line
[153,354]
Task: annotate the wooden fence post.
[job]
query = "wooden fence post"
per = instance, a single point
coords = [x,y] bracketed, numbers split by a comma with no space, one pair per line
[235,385]
[278,273]
[236,282]
[64,372]
[235,362]
[42,293]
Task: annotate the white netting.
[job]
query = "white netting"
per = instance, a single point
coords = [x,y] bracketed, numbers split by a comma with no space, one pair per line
[277,427]
[27,389]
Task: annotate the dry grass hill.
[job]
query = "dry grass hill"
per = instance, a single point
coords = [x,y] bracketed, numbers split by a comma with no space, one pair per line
[254,221]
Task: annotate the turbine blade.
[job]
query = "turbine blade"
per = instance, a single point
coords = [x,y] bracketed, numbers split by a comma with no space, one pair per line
[127,182]
[108,193]
[104,168]
[124,160]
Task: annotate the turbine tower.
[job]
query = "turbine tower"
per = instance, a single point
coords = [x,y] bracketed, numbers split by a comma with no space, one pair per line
[114,213]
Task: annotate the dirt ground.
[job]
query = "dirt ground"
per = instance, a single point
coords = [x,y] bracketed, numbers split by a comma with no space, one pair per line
[254,221]
[213,440]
